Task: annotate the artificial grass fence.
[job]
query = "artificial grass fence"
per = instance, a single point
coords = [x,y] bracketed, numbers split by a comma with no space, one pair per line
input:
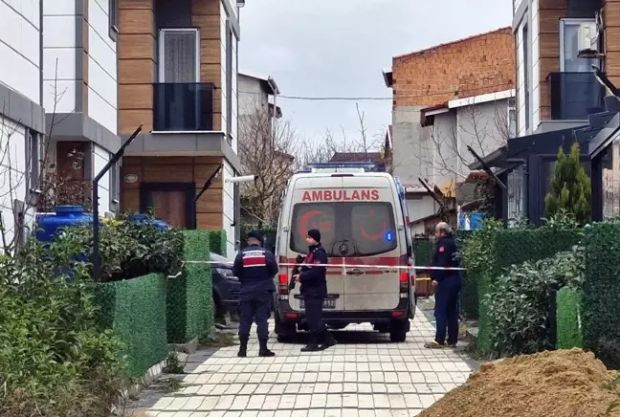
[569,322]
[190,306]
[602,292]
[512,247]
[135,310]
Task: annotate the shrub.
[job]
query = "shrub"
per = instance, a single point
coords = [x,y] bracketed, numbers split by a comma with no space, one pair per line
[218,242]
[54,360]
[570,188]
[518,302]
[128,249]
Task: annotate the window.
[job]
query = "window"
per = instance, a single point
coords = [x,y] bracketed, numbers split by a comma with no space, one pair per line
[32,160]
[115,186]
[569,47]
[179,56]
[347,229]
[113,17]
[229,80]
[526,74]
[517,194]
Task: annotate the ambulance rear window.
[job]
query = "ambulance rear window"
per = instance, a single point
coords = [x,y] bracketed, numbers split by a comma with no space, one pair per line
[347,229]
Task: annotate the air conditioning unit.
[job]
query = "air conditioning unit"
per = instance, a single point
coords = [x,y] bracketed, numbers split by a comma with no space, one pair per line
[587,38]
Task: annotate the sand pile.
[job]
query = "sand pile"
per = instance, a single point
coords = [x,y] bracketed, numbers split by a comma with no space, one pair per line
[568,383]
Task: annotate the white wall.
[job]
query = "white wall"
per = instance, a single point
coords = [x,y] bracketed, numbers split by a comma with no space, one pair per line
[13,168]
[520,82]
[235,89]
[102,76]
[20,47]
[535,48]
[59,51]
[100,158]
[228,216]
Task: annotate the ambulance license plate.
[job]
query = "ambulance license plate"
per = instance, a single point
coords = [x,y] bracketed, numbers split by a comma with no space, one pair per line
[328,303]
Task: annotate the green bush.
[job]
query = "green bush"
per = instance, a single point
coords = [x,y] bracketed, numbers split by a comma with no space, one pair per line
[218,242]
[128,249]
[489,251]
[602,292]
[569,318]
[518,302]
[54,360]
[190,296]
[135,310]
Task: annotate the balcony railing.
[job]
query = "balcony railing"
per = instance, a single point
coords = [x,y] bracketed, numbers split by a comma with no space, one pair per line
[575,95]
[183,106]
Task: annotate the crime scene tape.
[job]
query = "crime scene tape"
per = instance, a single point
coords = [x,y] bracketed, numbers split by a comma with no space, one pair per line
[354,266]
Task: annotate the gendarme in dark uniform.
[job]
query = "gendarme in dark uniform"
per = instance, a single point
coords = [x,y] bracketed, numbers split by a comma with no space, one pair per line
[314,291]
[447,287]
[255,267]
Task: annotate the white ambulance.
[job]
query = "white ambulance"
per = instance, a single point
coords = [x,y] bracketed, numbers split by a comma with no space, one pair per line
[362,217]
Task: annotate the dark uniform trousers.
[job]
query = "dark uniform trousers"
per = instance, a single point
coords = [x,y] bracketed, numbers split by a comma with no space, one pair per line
[314,315]
[255,307]
[447,291]
[446,309]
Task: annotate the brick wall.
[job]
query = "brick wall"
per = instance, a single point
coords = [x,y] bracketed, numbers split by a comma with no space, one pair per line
[477,65]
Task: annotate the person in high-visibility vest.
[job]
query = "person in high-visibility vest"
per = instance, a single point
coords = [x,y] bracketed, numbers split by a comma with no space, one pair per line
[447,286]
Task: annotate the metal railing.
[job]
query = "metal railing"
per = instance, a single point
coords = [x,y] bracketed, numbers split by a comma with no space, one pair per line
[183,106]
[575,95]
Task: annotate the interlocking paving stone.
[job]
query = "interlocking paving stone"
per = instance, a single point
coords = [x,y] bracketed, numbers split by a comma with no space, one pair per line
[364,375]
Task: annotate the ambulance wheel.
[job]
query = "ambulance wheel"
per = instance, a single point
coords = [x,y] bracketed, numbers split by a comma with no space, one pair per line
[285,331]
[398,331]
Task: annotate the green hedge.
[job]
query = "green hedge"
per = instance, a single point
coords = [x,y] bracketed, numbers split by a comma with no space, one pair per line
[218,242]
[135,310]
[190,296]
[602,292]
[569,324]
[508,247]
[469,297]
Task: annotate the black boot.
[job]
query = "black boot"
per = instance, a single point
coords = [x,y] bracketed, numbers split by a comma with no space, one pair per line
[328,340]
[263,351]
[243,348]
[312,346]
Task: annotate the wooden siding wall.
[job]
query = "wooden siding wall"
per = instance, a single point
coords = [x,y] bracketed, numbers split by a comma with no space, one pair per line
[550,13]
[611,16]
[137,56]
[137,60]
[206,17]
[209,208]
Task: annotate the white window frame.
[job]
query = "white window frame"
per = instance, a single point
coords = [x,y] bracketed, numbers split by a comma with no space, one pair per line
[563,23]
[162,51]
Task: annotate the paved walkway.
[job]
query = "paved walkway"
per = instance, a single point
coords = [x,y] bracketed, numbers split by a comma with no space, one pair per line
[364,375]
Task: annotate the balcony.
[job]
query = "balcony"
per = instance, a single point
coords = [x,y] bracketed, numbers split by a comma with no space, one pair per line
[183,107]
[575,95]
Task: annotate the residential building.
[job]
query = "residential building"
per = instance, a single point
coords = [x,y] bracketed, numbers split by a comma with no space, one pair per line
[178,79]
[558,43]
[376,159]
[22,118]
[447,98]
[561,100]
[258,94]
[79,90]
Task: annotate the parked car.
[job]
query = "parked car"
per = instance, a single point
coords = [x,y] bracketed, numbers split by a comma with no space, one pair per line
[225,287]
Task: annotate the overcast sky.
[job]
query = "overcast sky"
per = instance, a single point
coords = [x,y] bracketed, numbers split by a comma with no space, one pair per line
[340,47]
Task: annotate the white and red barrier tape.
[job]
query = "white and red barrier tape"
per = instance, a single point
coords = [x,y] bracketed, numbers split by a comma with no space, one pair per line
[352,266]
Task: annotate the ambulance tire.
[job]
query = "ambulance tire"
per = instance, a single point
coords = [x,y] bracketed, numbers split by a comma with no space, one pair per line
[285,331]
[398,331]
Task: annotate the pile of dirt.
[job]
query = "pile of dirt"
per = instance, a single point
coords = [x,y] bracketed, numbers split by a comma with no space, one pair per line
[568,383]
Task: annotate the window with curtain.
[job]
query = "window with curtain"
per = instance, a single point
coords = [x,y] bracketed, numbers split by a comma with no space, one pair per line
[178,56]
[569,36]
